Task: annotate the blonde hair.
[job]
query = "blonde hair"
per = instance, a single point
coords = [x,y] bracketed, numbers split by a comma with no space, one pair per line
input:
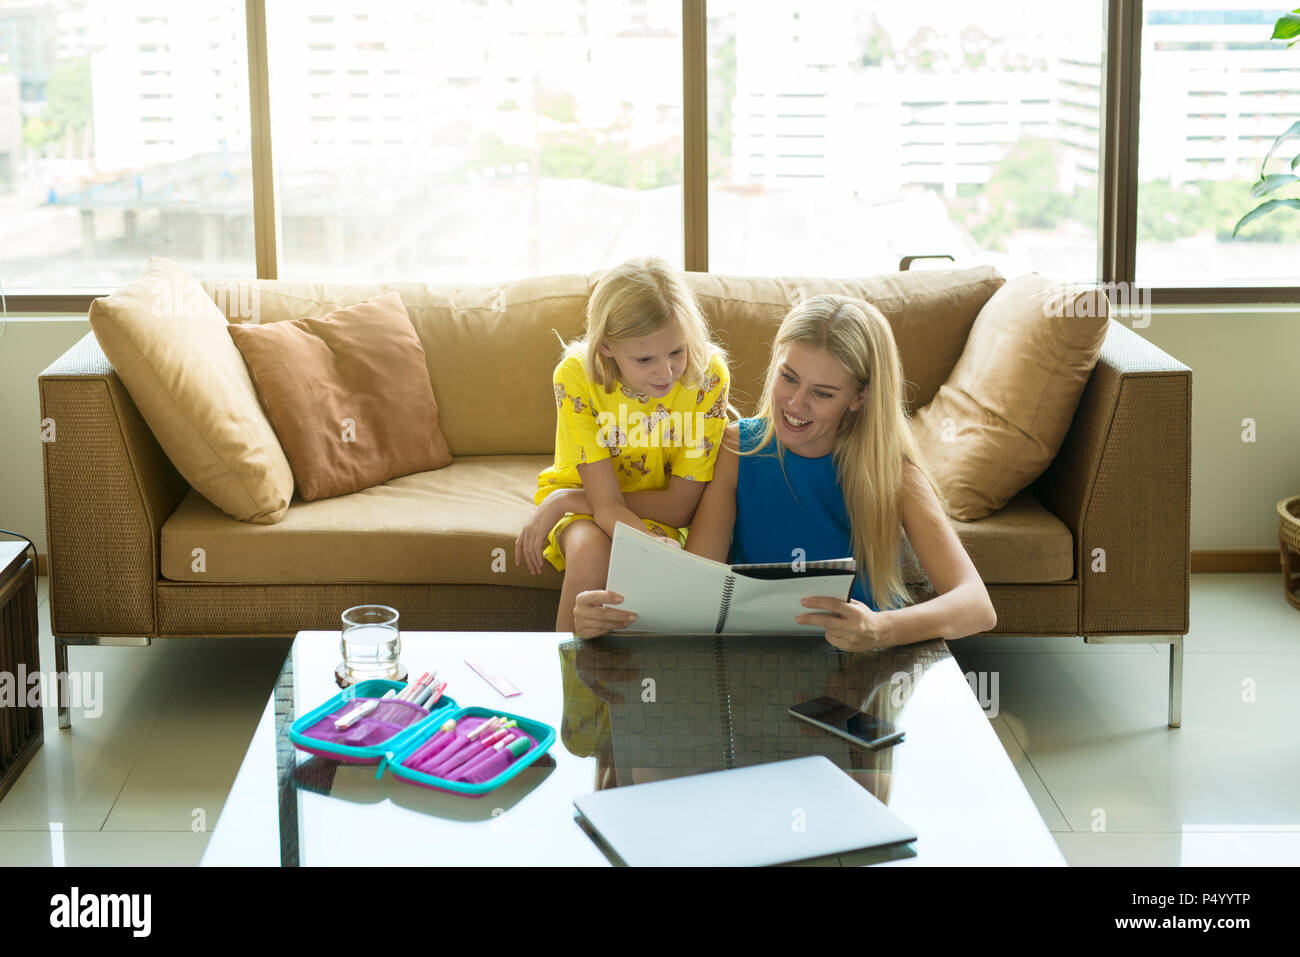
[873,442]
[638,298]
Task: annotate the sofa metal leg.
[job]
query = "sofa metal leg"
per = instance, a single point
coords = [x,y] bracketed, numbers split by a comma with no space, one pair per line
[61,661]
[61,668]
[1175,643]
[1176,682]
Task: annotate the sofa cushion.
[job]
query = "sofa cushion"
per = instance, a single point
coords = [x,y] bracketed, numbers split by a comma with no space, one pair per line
[929,311]
[348,395]
[463,328]
[1001,417]
[445,526]
[168,342]
[439,527]
[490,349]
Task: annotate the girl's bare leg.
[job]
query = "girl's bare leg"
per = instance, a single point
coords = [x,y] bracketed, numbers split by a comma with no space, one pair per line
[586,565]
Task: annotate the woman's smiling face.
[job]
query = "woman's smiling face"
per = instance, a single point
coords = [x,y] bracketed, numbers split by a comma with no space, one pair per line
[811,393]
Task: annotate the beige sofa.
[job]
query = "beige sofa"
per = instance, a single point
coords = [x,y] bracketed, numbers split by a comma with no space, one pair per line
[125,529]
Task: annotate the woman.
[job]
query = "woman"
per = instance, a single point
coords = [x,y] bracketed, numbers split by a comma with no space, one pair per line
[829,467]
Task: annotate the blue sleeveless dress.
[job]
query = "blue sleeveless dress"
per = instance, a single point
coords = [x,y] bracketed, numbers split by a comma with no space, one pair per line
[772,520]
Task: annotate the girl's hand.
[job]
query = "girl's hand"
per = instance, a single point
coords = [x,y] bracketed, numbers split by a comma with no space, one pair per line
[592,618]
[532,540]
[851,626]
[671,541]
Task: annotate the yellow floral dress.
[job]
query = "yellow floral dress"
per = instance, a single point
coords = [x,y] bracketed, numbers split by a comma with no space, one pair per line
[649,439]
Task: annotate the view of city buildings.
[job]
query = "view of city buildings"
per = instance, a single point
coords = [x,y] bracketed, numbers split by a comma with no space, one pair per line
[483,140]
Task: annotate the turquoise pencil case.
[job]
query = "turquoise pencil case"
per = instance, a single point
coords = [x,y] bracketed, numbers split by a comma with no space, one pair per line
[372,736]
[431,757]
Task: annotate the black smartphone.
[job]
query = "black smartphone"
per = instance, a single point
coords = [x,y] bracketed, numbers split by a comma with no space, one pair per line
[848,722]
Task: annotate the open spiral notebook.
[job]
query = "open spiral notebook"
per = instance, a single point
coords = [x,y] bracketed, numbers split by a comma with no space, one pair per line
[676,593]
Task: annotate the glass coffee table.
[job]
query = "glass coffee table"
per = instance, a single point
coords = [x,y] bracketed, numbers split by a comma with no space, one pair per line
[630,709]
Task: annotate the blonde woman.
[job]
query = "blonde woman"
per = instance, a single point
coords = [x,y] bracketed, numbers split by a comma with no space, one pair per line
[829,468]
[641,405]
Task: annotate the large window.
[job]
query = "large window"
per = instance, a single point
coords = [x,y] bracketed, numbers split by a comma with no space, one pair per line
[485,140]
[123,135]
[1216,92]
[475,141]
[845,135]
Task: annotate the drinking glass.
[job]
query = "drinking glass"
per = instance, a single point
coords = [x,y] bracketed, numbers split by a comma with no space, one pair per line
[371,642]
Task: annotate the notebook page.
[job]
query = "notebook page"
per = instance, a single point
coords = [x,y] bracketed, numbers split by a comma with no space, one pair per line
[672,591]
[762,607]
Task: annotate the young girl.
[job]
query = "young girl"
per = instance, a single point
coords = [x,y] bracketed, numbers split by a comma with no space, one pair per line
[829,467]
[641,406]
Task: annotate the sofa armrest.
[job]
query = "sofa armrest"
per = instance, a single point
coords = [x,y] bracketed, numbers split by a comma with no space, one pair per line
[108,490]
[1122,483]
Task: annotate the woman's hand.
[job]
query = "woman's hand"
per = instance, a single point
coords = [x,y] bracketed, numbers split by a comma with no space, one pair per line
[591,617]
[532,540]
[850,626]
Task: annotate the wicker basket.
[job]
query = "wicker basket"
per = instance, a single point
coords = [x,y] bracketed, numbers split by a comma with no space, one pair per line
[1288,535]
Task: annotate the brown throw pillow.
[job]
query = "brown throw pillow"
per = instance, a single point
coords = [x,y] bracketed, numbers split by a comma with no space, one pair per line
[348,395]
[1000,419]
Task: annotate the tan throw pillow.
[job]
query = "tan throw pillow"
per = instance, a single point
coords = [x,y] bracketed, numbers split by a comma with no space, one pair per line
[930,313]
[168,342]
[348,395]
[1012,395]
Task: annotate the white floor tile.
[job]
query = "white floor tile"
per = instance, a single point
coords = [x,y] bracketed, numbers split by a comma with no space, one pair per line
[1188,849]
[1084,726]
[77,774]
[101,849]
[1242,614]
[190,760]
[1094,729]
[1047,808]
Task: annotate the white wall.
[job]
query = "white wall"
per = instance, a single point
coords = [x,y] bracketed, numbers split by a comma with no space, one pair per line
[26,348]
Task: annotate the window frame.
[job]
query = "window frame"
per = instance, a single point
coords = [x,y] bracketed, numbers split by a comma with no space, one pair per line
[1118,160]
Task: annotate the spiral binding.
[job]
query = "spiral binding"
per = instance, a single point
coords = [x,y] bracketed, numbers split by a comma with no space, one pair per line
[728,587]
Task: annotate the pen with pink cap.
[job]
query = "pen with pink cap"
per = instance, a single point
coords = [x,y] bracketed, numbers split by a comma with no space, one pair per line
[471,745]
[495,745]
[428,696]
[463,757]
[440,740]
[453,744]
[496,761]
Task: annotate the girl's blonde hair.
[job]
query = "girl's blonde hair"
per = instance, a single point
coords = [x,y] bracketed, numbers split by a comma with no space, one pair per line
[873,442]
[638,298]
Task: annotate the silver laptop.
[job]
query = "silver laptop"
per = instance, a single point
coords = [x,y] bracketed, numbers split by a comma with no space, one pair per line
[765,814]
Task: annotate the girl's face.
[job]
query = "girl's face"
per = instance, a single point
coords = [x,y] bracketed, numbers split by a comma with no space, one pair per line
[811,394]
[650,364]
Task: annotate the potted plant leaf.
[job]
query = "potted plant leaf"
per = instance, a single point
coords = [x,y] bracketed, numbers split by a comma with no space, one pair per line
[1286,28]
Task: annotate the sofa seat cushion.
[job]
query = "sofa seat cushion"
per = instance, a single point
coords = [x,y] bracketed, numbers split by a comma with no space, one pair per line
[445,526]
[441,527]
[1023,543]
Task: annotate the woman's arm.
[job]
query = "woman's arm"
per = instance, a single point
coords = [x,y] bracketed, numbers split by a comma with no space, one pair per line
[962,607]
[715,519]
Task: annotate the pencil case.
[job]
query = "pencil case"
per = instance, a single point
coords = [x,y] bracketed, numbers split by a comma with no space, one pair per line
[370,737]
[434,759]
